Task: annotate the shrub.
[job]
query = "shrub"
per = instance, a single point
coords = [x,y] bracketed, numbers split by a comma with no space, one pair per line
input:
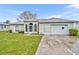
[21,31]
[10,31]
[73,32]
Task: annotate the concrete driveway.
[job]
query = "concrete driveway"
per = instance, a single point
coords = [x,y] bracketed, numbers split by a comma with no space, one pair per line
[58,45]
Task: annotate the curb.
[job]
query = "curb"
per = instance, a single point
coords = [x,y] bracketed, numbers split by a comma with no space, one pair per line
[39,46]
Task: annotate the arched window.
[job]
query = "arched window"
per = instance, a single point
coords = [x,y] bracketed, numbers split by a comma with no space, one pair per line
[30,24]
[35,27]
[30,27]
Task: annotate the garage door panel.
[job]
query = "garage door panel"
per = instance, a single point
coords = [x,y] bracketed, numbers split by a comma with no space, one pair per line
[59,29]
[47,29]
[41,28]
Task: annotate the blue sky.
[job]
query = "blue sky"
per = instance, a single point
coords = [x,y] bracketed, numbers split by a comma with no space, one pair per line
[66,11]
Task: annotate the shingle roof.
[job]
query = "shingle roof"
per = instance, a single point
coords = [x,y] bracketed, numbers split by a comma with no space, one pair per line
[17,23]
[55,20]
[41,21]
[31,20]
[3,23]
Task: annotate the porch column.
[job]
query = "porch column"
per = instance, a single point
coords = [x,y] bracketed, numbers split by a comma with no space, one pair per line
[24,28]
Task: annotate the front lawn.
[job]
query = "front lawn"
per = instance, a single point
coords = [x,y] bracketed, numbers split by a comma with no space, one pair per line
[18,44]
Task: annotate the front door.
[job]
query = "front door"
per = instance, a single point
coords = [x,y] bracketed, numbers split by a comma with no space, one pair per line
[30,28]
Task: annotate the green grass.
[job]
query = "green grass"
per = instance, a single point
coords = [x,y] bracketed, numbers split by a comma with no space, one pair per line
[18,44]
[78,33]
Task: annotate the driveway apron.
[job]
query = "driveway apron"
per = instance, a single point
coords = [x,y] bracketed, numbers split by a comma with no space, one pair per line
[56,45]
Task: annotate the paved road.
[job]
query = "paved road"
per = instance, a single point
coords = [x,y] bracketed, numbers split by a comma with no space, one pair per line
[58,45]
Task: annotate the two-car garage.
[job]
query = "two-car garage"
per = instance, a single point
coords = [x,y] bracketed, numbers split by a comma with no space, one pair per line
[56,28]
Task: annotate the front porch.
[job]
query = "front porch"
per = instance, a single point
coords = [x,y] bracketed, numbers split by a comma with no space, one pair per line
[30,27]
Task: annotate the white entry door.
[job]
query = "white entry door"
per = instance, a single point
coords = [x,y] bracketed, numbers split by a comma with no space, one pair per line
[59,29]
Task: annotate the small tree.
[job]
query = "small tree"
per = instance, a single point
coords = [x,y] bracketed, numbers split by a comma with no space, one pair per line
[7,21]
[73,32]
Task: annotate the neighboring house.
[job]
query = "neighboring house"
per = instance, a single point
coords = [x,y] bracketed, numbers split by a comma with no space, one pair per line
[4,26]
[41,26]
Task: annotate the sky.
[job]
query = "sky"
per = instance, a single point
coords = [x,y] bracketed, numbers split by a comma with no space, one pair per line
[43,11]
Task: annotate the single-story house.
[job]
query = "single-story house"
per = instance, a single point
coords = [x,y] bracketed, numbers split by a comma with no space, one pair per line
[41,26]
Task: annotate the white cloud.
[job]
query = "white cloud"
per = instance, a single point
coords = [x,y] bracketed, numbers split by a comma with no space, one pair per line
[36,9]
[73,5]
[55,16]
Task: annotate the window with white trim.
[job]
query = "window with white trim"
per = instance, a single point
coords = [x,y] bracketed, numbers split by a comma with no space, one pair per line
[30,27]
[35,27]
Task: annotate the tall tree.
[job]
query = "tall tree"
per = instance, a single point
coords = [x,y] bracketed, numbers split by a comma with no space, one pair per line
[26,15]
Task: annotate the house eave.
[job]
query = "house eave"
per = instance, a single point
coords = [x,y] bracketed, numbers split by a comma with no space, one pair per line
[56,22]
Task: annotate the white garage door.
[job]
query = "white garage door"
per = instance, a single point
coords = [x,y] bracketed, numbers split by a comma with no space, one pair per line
[59,29]
[53,29]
